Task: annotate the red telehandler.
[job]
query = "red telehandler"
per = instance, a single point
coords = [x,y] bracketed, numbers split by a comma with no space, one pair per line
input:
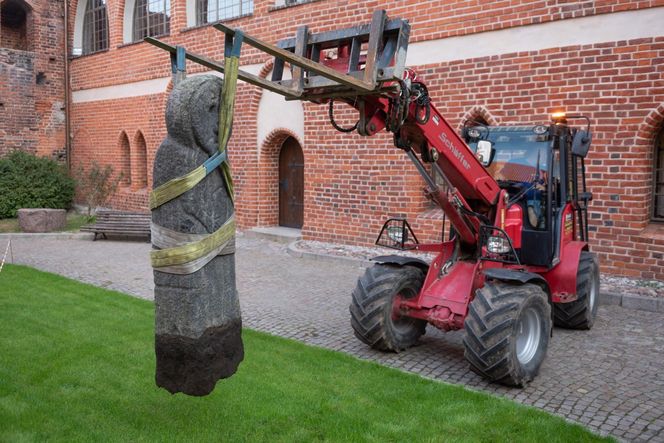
[516,259]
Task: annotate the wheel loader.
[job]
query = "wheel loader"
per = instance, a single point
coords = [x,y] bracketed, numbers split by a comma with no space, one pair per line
[515,259]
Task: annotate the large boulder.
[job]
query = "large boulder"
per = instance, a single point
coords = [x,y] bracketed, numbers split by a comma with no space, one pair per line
[41,219]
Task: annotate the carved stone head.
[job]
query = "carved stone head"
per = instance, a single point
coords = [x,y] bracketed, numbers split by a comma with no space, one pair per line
[192,112]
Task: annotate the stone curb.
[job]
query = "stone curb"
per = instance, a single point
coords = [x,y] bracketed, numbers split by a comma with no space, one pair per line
[627,301]
[273,236]
[294,251]
[49,235]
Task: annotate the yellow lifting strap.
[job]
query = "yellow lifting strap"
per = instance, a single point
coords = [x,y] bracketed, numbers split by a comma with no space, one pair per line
[176,187]
[226,111]
[188,252]
[180,255]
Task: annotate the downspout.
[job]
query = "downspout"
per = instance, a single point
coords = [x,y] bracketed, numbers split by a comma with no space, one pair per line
[67,101]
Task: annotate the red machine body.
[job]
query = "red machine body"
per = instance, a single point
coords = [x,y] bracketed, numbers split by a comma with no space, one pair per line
[447,292]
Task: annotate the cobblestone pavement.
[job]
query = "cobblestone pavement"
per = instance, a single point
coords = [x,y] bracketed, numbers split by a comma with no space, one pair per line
[609,379]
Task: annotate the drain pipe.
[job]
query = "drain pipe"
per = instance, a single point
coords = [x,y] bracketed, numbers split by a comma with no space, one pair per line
[67,101]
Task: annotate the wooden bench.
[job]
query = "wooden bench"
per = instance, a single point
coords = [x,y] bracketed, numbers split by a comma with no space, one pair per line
[120,223]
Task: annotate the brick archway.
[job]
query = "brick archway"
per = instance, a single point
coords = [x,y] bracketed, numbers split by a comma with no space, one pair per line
[474,113]
[259,180]
[139,162]
[645,141]
[650,127]
[268,176]
[124,156]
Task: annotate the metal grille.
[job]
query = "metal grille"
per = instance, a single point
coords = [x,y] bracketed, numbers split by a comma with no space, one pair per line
[95,27]
[151,18]
[658,180]
[210,11]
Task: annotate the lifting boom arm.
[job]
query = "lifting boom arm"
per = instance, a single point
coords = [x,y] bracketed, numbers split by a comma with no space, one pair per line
[434,139]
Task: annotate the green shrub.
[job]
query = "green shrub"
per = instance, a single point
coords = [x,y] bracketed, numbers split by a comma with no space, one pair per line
[27,181]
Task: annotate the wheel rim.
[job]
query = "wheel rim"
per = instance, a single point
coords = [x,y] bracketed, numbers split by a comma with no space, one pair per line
[529,330]
[594,289]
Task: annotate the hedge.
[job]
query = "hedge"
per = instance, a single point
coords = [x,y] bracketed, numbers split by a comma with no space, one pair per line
[28,181]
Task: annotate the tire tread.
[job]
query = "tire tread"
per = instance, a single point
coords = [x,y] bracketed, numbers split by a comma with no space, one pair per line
[372,296]
[492,317]
[576,315]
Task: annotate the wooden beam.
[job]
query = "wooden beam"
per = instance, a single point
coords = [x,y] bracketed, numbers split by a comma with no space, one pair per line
[302,62]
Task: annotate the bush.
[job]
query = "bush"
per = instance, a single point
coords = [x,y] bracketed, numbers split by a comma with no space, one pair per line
[28,181]
[96,185]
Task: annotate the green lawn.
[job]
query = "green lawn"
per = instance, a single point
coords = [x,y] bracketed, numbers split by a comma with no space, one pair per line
[74,223]
[77,364]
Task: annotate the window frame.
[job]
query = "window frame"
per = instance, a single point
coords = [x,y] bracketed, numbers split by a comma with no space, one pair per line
[95,39]
[202,15]
[138,33]
[658,158]
[287,3]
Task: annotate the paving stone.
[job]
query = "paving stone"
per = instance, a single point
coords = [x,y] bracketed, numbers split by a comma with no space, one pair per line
[618,362]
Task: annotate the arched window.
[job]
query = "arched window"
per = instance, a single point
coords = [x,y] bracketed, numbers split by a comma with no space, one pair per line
[14,25]
[95,27]
[125,160]
[658,179]
[210,11]
[139,162]
[151,18]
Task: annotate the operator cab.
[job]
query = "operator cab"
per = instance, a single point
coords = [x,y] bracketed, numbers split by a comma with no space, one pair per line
[519,163]
[526,161]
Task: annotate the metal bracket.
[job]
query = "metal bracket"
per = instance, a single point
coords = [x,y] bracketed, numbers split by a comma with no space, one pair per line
[179,64]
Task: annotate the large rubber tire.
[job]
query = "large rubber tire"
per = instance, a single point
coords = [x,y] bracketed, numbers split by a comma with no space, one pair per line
[371,314]
[507,332]
[580,314]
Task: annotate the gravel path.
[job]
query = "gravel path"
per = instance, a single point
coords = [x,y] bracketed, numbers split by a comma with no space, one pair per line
[609,379]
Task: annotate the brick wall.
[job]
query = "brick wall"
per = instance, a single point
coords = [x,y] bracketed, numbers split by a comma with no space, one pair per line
[17,76]
[14,37]
[353,184]
[32,80]
[429,20]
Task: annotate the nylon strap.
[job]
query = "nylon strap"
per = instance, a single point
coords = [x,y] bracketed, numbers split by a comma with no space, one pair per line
[179,185]
[177,255]
[227,108]
[164,238]
[189,252]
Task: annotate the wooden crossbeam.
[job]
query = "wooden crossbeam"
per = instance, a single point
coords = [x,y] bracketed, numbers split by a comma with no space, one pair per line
[302,62]
[219,66]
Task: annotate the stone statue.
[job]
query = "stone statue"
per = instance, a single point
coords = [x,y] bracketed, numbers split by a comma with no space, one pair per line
[197,316]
